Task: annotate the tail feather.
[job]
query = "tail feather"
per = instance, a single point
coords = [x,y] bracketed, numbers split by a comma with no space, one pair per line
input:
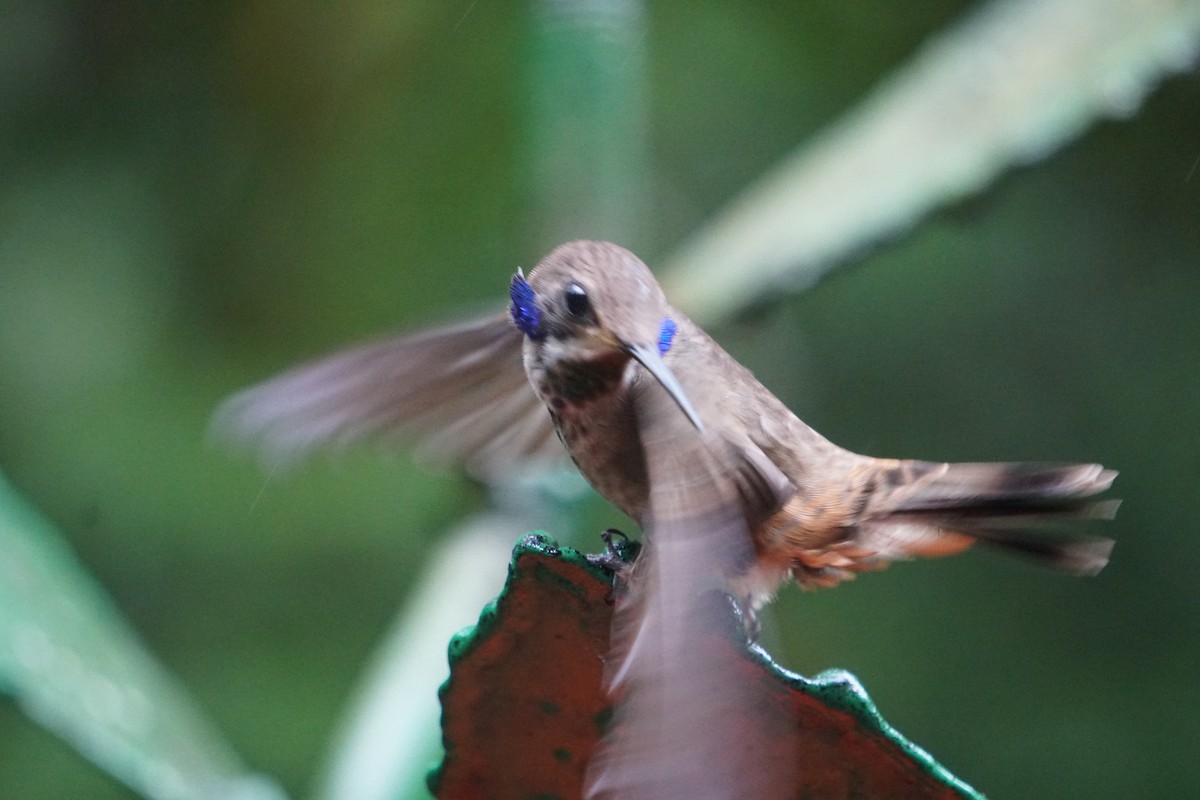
[1077,554]
[1017,486]
[1005,515]
[918,509]
[997,504]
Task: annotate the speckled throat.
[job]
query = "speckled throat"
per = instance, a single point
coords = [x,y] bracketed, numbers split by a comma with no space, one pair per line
[591,410]
[578,382]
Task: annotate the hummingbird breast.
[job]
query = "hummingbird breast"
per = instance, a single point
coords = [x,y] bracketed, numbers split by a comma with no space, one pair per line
[590,405]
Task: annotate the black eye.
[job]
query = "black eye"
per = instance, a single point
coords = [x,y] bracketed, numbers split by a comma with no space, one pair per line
[576,297]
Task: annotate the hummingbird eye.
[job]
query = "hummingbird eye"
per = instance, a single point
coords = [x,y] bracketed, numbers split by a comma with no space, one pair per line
[578,304]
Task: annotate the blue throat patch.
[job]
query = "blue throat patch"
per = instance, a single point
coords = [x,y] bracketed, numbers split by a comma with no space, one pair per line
[524,308]
[666,335]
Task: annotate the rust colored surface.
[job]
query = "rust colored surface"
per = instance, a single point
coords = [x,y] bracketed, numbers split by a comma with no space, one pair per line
[523,709]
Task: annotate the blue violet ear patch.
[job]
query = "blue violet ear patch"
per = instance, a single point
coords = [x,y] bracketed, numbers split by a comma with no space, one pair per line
[523,309]
[666,335]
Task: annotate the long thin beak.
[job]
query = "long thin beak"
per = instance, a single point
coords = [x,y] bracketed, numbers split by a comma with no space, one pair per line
[649,358]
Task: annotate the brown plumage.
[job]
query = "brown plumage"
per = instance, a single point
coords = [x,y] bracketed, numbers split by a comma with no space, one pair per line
[732,490]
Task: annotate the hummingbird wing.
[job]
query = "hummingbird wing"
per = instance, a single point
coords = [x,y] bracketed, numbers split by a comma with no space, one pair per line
[684,713]
[461,391]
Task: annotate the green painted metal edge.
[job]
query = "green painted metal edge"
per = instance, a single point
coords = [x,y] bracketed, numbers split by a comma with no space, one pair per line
[537,542]
[837,688]
[842,690]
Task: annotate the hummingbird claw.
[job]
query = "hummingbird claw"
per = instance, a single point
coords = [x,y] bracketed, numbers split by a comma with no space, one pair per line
[608,534]
[617,555]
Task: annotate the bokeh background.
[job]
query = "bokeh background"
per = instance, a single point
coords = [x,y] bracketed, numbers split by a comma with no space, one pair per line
[196,195]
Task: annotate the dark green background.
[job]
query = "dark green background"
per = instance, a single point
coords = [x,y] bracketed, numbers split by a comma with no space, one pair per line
[195,195]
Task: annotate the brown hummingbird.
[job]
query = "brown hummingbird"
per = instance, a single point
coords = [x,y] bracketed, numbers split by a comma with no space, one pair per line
[732,490]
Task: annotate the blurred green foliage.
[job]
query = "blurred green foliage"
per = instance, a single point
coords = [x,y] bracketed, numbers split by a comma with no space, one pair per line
[198,194]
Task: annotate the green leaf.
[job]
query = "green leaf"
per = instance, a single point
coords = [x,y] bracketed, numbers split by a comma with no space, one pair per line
[387,737]
[76,667]
[1009,84]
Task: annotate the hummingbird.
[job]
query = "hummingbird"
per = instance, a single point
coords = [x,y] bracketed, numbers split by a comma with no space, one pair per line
[731,489]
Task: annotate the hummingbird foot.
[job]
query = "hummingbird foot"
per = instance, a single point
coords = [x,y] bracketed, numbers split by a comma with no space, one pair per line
[617,558]
[619,551]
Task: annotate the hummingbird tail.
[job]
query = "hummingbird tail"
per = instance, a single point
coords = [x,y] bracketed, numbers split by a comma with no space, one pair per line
[917,509]
[998,504]
[1076,553]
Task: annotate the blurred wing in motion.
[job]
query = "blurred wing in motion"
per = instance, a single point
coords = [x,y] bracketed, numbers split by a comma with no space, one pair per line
[460,391]
[681,708]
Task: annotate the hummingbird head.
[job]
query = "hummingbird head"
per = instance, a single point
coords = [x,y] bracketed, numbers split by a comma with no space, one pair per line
[593,302]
